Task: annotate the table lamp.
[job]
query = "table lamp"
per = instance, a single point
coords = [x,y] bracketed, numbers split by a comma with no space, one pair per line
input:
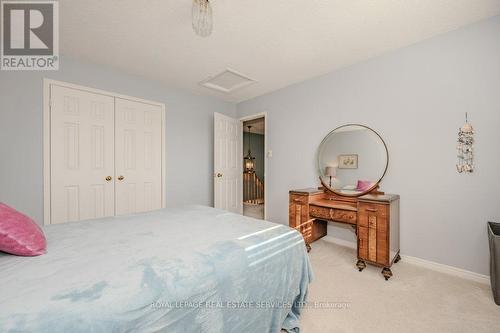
[330,171]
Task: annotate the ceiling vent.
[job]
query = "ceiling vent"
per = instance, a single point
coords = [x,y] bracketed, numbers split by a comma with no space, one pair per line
[227,81]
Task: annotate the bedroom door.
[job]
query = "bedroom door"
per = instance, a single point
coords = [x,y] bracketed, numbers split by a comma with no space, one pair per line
[228,163]
[138,156]
[82,155]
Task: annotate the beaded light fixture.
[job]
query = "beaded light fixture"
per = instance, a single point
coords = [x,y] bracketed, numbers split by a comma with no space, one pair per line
[465,147]
[202,17]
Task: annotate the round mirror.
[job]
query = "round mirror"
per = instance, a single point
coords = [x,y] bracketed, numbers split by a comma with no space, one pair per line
[352,160]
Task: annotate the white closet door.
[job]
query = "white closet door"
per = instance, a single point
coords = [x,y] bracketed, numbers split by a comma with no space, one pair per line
[138,156]
[82,155]
[228,163]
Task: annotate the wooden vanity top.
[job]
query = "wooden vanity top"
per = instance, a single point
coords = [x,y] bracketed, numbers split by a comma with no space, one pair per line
[307,191]
[379,197]
[367,197]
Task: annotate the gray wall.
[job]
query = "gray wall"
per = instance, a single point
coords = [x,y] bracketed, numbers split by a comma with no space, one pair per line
[416,99]
[189,133]
[258,147]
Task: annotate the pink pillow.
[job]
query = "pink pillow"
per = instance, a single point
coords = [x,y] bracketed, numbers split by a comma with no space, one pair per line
[364,185]
[19,234]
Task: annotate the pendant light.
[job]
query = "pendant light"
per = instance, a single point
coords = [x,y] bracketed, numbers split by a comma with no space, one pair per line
[202,17]
[249,159]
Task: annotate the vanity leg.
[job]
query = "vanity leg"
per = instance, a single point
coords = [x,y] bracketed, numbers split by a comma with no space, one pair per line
[308,247]
[355,227]
[361,265]
[398,258]
[387,273]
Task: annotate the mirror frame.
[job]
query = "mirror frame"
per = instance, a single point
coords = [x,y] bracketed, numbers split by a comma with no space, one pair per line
[375,186]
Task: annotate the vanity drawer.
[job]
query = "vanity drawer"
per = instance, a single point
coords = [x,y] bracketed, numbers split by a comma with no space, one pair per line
[299,199]
[298,210]
[319,212]
[373,208]
[344,216]
[372,215]
[306,229]
[340,215]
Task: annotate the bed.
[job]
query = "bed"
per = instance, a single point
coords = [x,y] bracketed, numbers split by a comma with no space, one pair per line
[192,269]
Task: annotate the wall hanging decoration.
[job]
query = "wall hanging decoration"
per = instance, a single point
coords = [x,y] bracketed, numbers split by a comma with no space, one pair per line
[465,152]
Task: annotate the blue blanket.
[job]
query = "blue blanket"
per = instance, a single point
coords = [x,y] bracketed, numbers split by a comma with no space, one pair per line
[195,269]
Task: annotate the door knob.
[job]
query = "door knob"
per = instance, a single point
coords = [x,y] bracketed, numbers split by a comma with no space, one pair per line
[121,178]
[108,178]
[219,175]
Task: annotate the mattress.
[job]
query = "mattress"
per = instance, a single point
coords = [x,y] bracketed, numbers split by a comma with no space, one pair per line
[191,269]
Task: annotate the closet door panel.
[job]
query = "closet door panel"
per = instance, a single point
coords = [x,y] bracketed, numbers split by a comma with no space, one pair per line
[82,155]
[138,152]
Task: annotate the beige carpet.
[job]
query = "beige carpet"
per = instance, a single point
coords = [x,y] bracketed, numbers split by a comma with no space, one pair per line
[413,300]
[255,211]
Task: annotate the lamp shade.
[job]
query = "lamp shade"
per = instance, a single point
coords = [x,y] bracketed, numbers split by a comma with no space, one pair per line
[330,171]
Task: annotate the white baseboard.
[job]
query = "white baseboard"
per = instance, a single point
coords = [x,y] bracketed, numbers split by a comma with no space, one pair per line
[465,274]
[484,279]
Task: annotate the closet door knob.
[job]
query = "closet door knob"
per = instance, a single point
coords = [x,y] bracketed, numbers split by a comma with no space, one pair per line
[121,178]
[108,178]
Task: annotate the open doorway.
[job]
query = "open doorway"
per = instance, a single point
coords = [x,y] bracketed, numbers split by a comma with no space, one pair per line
[254,166]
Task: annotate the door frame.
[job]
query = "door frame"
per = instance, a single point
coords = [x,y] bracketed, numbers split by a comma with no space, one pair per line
[252,117]
[47,83]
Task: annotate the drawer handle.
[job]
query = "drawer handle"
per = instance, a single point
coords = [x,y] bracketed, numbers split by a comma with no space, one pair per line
[373,210]
[297,200]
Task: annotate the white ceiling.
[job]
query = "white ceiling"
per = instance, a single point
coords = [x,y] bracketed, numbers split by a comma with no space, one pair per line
[276,42]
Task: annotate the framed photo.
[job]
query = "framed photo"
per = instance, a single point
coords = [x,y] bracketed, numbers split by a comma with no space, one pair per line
[348,161]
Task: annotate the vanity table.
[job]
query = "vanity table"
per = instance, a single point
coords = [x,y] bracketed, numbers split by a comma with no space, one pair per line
[374,218]
[373,215]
